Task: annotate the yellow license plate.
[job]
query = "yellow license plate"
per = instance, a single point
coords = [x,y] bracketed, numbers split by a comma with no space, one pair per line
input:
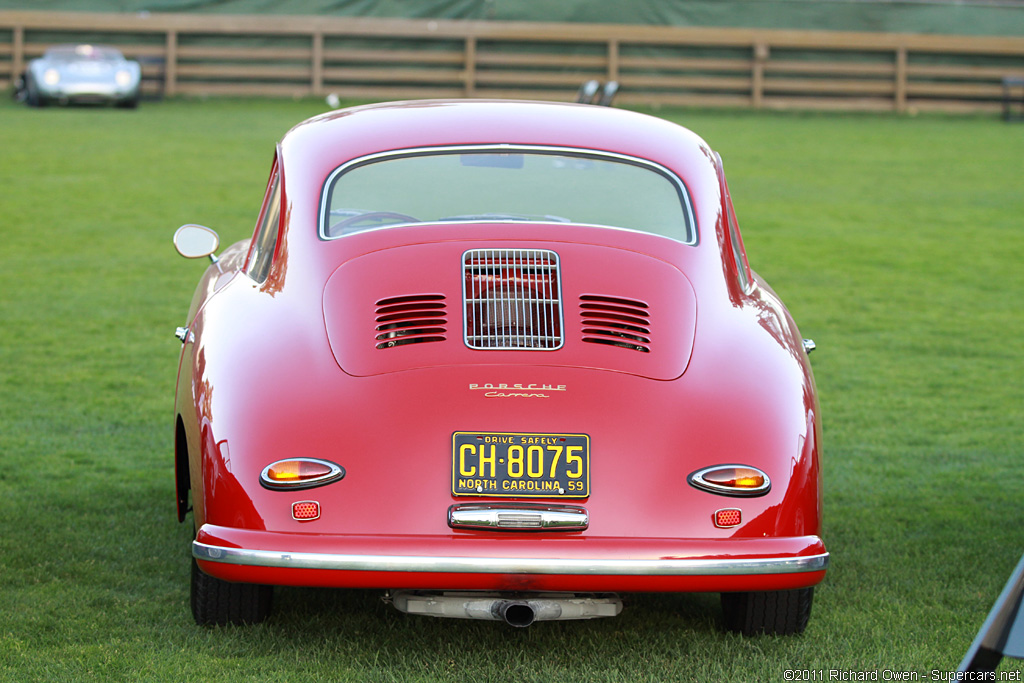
[520,465]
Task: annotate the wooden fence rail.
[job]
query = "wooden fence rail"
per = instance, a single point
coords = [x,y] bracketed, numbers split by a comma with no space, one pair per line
[194,54]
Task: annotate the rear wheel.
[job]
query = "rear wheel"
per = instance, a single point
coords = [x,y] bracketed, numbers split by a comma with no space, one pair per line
[216,602]
[130,103]
[780,613]
[32,96]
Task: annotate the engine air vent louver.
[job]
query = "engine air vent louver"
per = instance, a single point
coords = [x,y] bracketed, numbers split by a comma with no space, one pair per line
[616,322]
[512,299]
[413,319]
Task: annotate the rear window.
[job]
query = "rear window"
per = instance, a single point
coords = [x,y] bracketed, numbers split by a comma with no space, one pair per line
[499,184]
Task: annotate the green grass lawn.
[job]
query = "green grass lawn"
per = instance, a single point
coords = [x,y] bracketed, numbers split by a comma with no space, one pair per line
[896,243]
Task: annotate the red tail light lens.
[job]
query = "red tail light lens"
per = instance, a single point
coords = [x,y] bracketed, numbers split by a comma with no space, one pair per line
[300,473]
[731,480]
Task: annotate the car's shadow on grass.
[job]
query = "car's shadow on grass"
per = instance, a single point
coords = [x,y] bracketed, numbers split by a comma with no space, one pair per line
[654,632]
[366,612]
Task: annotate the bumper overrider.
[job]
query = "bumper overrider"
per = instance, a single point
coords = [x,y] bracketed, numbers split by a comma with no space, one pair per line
[513,562]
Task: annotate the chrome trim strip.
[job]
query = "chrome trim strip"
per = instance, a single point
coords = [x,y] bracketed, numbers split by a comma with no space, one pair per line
[509,565]
[518,517]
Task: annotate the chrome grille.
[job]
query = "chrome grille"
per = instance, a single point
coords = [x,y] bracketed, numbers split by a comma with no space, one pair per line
[411,319]
[512,299]
[616,322]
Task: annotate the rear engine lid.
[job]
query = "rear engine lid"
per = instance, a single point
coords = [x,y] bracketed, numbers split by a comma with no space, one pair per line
[552,304]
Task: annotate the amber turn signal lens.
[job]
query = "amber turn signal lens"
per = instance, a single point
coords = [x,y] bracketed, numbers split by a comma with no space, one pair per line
[735,477]
[297,470]
[734,480]
[300,473]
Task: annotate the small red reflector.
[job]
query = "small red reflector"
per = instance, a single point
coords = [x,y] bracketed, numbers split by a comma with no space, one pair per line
[306,510]
[728,517]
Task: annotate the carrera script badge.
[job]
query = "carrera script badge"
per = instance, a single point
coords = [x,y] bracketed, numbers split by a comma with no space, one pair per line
[517,390]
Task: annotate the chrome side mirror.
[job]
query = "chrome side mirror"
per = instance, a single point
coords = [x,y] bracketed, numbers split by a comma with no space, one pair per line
[196,241]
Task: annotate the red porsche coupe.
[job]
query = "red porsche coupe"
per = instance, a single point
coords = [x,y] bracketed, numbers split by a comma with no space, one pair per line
[501,360]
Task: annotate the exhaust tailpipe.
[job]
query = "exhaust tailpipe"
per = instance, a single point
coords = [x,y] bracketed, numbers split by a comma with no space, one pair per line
[514,613]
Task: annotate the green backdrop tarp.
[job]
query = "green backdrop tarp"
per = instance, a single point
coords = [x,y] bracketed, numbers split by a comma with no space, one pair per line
[967,17]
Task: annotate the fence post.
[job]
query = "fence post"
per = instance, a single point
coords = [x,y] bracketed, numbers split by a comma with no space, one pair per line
[901,79]
[761,54]
[613,59]
[317,65]
[18,53]
[469,67]
[171,63]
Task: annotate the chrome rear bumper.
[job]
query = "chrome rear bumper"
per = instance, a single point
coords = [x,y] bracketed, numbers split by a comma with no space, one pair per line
[510,565]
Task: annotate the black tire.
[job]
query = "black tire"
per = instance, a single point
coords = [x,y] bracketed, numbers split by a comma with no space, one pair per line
[780,613]
[216,602]
[131,103]
[32,96]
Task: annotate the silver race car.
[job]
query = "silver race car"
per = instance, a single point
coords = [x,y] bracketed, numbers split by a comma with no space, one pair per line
[82,74]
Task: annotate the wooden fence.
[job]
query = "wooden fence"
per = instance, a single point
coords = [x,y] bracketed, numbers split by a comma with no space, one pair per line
[376,59]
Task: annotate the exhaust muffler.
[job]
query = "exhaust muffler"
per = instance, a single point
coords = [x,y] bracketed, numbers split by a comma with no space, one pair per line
[515,609]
